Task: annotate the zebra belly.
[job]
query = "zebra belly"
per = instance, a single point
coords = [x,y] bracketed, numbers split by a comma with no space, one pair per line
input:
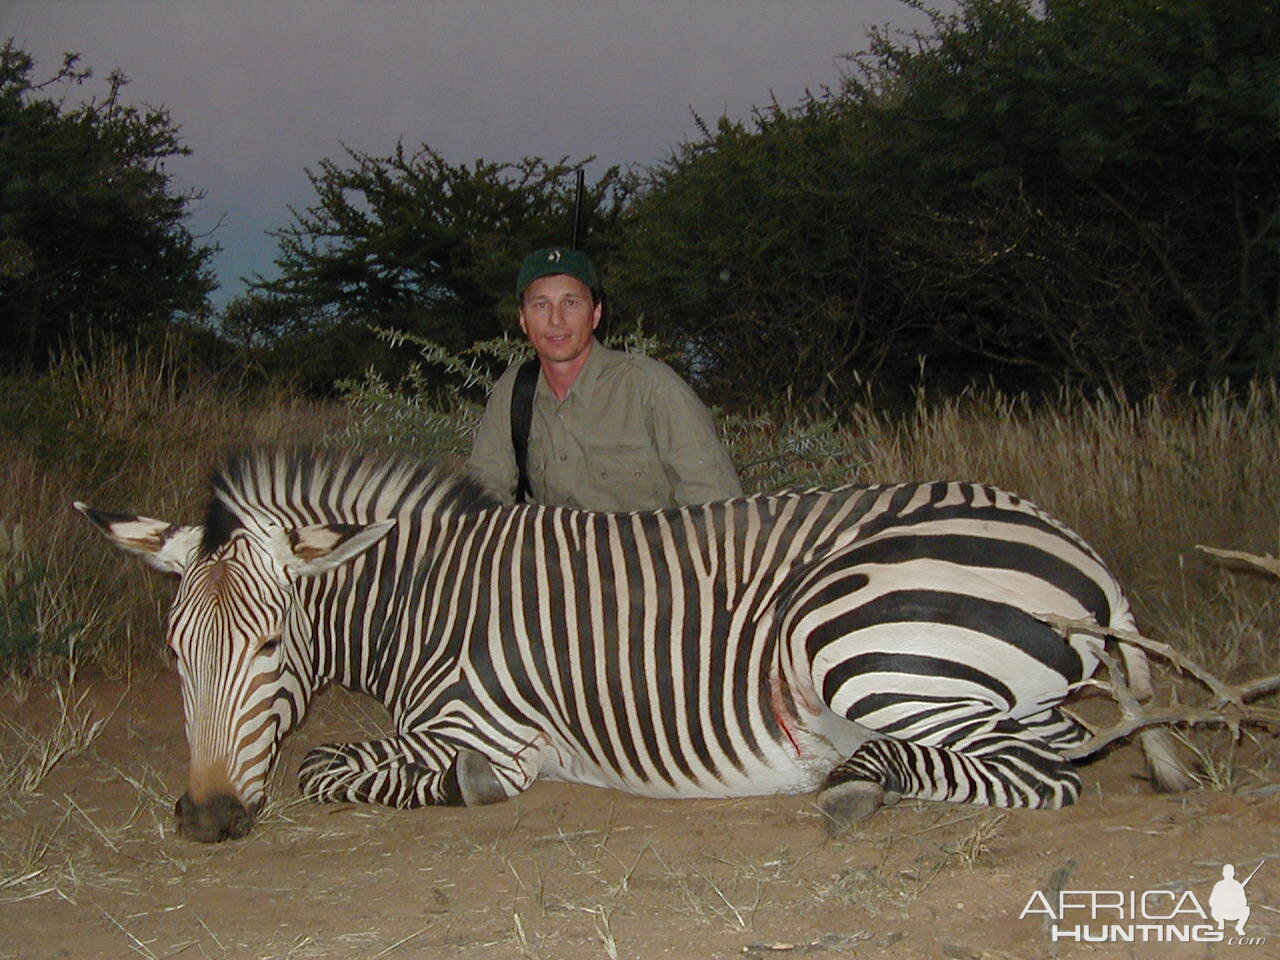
[796,763]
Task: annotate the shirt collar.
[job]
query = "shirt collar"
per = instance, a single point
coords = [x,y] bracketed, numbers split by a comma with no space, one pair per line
[584,386]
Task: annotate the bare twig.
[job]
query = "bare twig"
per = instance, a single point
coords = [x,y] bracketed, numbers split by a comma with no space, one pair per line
[1229,704]
[402,941]
[1267,564]
[1067,626]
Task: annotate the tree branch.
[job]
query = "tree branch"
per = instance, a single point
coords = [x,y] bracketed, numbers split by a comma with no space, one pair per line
[1229,705]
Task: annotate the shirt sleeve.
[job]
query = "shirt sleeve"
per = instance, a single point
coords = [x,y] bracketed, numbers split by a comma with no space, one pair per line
[689,443]
[493,458]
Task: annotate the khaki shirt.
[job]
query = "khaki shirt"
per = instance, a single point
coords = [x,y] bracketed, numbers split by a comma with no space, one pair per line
[629,435]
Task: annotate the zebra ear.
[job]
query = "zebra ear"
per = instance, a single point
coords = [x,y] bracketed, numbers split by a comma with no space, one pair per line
[309,551]
[163,545]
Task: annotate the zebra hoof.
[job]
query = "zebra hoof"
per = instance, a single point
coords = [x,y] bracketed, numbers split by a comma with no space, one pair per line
[845,804]
[477,783]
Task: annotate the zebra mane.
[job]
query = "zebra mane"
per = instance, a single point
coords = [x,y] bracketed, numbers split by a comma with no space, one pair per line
[298,485]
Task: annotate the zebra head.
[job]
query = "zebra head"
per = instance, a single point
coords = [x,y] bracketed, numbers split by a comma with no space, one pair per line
[242,646]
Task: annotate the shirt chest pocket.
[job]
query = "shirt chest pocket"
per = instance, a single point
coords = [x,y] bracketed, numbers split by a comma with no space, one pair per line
[626,470]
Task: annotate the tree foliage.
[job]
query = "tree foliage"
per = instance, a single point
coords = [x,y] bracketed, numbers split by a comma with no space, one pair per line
[1081,189]
[412,242]
[92,235]
[1092,186]
[755,251]
[1030,192]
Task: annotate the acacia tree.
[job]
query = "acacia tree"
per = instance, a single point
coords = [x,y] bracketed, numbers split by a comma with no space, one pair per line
[93,237]
[412,242]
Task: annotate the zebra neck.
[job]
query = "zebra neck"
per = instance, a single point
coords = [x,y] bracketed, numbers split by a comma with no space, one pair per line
[356,629]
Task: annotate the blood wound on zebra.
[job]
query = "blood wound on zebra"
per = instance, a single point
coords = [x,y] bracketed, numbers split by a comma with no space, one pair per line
[863,642]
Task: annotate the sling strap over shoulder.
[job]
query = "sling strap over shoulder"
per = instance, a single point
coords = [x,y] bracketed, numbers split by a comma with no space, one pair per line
[521,420]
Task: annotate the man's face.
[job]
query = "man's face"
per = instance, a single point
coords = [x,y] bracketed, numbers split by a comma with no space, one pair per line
[559,316]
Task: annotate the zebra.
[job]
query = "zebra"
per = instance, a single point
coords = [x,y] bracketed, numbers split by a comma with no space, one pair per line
[869,642]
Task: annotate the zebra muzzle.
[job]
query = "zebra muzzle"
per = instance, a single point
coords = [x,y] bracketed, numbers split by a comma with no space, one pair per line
[222,817]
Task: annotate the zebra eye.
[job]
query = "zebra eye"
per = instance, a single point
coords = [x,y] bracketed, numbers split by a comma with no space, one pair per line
[269,645]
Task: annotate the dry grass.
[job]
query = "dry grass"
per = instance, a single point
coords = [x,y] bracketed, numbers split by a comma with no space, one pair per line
[126,432]
[29,756]
[1143,483]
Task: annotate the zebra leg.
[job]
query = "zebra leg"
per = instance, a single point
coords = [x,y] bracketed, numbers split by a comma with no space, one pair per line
[993,761]
[399,772]
[1057,728]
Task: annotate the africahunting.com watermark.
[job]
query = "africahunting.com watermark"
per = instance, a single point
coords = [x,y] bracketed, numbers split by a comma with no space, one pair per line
[1149,916]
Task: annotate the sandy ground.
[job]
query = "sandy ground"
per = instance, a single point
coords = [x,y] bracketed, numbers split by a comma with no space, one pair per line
[91,866]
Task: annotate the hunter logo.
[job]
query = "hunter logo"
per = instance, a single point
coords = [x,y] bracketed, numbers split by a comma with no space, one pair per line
[1228,900]
[1148,916]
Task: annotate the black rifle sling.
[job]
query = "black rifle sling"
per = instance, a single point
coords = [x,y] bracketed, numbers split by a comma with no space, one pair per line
[521,420]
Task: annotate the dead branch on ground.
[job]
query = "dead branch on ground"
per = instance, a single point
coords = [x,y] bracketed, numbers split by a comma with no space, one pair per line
[1228,705]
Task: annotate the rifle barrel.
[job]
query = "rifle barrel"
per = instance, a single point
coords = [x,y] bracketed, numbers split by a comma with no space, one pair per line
[577,210]
[1250,876]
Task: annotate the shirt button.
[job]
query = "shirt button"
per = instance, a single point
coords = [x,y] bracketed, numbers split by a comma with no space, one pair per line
[564,456]
[639,474]
[604,474]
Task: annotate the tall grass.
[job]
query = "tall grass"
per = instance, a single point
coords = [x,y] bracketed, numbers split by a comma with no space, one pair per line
[125,431]
[1144,483]
[137,432]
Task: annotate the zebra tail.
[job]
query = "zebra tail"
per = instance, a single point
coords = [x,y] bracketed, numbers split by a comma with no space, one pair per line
[1168,773]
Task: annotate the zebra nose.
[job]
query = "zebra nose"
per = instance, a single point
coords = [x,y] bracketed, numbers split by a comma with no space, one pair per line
[221,817]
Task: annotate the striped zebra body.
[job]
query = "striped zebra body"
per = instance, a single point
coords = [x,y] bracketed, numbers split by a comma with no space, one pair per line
[862,639]
[631,651]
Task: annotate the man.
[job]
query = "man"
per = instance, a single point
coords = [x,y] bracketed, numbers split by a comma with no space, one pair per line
[610,431]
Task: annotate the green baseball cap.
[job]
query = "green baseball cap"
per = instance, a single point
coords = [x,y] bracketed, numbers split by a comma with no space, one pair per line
[550,261]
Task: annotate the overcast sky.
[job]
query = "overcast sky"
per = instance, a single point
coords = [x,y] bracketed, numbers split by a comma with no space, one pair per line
[264,88]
